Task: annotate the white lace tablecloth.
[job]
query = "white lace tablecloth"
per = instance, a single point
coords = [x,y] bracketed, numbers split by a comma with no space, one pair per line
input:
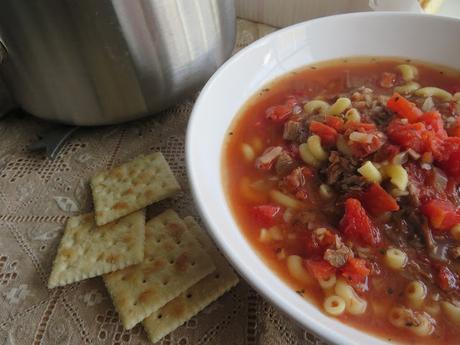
[37,195]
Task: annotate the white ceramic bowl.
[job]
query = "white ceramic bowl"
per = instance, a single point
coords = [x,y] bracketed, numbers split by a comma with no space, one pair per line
[429,38]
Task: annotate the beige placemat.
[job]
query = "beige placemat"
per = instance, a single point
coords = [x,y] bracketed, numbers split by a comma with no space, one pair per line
[37,195]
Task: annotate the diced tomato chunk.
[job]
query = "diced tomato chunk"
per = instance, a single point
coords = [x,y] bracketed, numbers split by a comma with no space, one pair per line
[449,157]
[377,201]
[266,215]
[451,166]
[441,214]
[356,224]
[320,269]
[433,122]
[334,122]
[446,279]
[386,153]
[355,271]
[327,133]
[407,135]
[278,113]
[404,108]
[434,144]
[362,127]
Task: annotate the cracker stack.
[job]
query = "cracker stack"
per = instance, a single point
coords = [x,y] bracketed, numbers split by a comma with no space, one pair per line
[161,272]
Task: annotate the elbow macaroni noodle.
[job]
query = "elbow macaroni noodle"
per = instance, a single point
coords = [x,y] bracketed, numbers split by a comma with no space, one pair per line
[424,327]
[316,106]
[398,175]
[352,115]
[342,146]
[432,307]
[325,191]
[297,270]
[416,292]
[314,145]
[370,172]
[395,258]
[328,283]
[340,105]
[355,305]
[248,152]
[431,91]
[408,72]
[419,324]
[334,305]
[264,236]
[408,88]
[285,200]
[452,312]
[307,156]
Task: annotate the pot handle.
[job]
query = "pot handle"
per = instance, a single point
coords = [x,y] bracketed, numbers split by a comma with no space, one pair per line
[6,102]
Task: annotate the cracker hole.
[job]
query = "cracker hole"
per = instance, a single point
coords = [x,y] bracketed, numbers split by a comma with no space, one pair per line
[159,316]
[193,263]
[217,276]
[171,261]
[165,282]
[189,295]
[144,281]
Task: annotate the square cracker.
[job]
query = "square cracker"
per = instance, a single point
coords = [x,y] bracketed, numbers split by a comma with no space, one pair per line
[132,186]
[196,298]
[173,261]
[87,250]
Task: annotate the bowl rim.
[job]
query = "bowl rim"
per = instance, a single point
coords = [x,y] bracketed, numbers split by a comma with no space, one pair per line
[313,325]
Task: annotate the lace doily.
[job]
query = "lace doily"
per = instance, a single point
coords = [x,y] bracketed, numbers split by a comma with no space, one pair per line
[37,195]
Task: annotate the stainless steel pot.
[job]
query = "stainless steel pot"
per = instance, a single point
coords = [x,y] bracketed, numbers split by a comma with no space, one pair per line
[95,62]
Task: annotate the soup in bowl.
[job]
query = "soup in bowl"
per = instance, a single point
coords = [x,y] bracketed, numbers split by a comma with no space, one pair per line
[325,159]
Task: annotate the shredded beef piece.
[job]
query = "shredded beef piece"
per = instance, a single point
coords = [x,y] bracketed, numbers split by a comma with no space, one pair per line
[338,257]
[419,270]
[419,224]
[454,197]
[427,235]
[405,228]
[342,175]
[364,253]
[294,130]
[295,180]
[413,197]
[284,164]
[381,116]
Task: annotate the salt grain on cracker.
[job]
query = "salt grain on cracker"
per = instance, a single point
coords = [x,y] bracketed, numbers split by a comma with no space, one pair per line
[174,261]
[87,251]
[196,298]
[132,186]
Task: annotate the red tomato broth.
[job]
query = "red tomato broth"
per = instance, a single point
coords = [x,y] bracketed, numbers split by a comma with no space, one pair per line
[328,80]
